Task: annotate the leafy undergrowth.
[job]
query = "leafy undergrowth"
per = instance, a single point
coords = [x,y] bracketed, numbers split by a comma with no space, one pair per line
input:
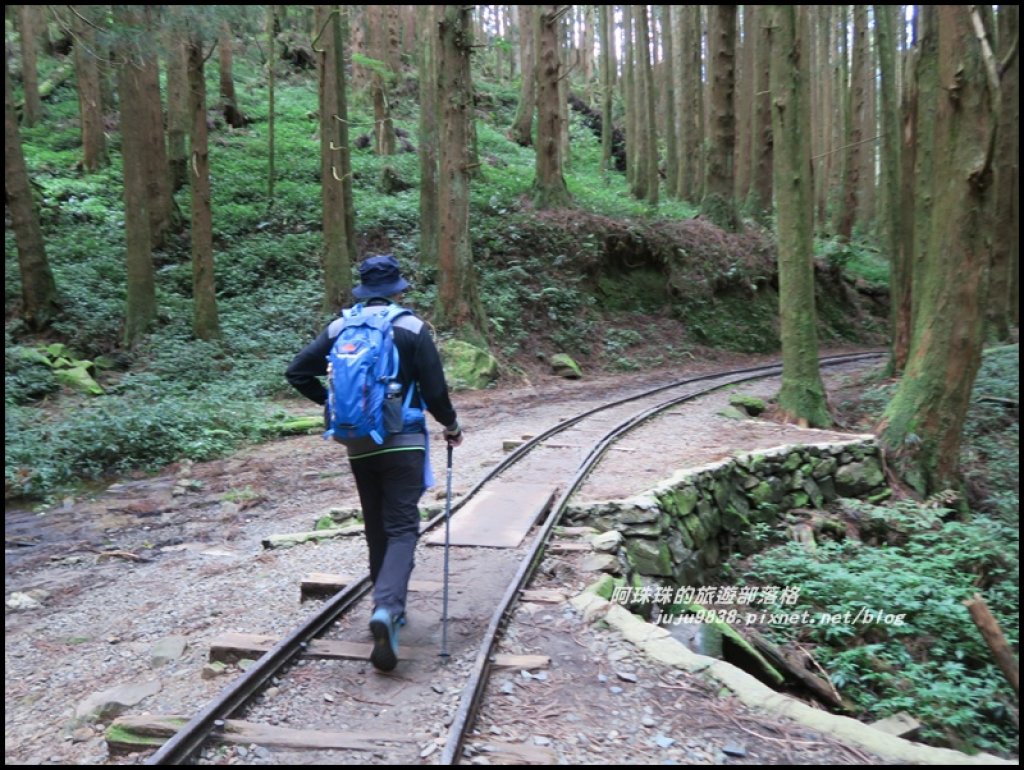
[910,566]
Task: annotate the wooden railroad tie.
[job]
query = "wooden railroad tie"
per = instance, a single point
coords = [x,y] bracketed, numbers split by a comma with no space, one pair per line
[135,733]
[321,584]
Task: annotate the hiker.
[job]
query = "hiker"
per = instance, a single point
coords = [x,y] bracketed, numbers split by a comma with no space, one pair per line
[390,476]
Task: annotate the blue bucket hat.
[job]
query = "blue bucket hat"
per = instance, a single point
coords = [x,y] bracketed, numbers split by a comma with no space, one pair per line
[379,276]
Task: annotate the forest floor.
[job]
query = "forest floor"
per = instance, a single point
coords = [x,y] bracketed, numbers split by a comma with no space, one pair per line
[180,554]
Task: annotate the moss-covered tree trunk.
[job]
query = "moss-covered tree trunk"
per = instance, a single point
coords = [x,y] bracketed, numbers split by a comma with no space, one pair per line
[458,305]
[549,188]
[337,257]
[205,322]
[1006,235]
[802,395]
[719,203]
[429,135]
[90,101]
[759,199]
[922,425]
[39,301]
[140,307]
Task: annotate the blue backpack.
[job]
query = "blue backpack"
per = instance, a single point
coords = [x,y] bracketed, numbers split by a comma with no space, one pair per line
[362,376]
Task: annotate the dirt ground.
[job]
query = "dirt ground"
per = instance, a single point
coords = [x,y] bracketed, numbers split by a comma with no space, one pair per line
[179,554]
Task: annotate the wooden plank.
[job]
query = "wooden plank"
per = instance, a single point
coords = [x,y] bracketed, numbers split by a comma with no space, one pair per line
[130,733]
[319,584]
[497,518]
[503,660]
[232,646]
[543,595]
[519,754]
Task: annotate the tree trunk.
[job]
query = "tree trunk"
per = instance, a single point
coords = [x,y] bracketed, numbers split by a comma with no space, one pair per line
[163,211]
[337,256]
[854,126]
[178,114]
[691,123]
[458,305]
[271,60]
[629,99]
[719,204]
[140,309]
[607,37]
[802,395]
[29,22]
[429,136]
[745,77]
[205,324]
[759,200]
[650,133]
[885,26]
[521,131]
[1005,237]
[922,425]
[825,116]
[901,289]
[90,102]
[229,104]
[869,131]
[921,184]
[40,303]
[840,125]
[549,188]
[383,125]
[671,102]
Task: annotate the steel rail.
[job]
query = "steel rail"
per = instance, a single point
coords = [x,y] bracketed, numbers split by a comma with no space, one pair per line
[180,747]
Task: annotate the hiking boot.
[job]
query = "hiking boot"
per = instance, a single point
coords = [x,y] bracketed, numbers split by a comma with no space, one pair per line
[384,628]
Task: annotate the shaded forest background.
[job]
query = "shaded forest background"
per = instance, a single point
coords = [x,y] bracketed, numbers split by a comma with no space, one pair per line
[189,191]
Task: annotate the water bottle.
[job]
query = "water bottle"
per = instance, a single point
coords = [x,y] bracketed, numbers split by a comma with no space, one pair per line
[393,407]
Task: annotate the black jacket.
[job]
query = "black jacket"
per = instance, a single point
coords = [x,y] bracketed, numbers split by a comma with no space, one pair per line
[420,367]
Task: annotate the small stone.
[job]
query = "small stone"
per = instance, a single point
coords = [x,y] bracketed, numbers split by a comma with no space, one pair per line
[541,740]
[328,697]
[615,690]
[663,742]
[648,722]
[734,750]
[626,676]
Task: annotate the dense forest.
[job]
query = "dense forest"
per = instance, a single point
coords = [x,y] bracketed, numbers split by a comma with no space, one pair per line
[189,190]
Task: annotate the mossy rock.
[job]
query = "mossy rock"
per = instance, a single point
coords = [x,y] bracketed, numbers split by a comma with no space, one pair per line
[467,366]
[749,404]
[563,365]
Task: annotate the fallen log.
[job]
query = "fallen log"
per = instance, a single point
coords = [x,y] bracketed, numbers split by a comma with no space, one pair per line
[993,635]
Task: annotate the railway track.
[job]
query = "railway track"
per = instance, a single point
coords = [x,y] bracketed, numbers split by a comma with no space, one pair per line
[383,716]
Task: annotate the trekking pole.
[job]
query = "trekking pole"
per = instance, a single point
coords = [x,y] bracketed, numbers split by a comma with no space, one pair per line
[447,518]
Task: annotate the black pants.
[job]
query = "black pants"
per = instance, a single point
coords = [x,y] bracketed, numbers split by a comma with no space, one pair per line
[390,486]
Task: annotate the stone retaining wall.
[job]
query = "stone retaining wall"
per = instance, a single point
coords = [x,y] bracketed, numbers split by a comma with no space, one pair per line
[681,529]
